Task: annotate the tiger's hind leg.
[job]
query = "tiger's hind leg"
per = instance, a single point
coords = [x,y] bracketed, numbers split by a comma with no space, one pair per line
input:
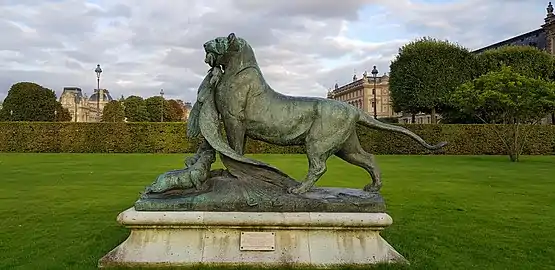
[352,152]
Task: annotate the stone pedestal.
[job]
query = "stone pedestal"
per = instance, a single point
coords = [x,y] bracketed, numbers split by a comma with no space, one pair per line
[177,238]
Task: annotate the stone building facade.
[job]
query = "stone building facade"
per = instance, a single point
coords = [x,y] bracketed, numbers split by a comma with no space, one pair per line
[83,108]
[186,110]
[360,93]
[186,107]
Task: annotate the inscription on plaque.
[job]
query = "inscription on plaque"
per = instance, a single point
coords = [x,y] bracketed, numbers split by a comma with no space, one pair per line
[258,241]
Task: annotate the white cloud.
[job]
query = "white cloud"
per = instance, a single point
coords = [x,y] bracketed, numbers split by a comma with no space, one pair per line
[303,47]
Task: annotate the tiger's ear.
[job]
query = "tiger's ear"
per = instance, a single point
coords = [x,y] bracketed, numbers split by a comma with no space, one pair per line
[233,45]
[231,37]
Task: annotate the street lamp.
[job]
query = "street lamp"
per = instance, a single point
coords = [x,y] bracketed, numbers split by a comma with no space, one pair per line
[98,70]
[11,115]
[162,107]
[374,74]
[55,115]
[75,101]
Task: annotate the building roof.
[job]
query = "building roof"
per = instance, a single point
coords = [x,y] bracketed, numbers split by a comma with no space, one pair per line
[105,96]
[72,89]
[536,38]
[76,91]
[358,83]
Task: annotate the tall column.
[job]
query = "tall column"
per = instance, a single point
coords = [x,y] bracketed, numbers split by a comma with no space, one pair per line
[549,27]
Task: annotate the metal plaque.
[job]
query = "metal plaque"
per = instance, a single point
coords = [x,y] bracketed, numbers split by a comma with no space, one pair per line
[258,241]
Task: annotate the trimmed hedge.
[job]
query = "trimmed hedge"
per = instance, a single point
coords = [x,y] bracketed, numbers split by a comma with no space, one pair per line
[68,137]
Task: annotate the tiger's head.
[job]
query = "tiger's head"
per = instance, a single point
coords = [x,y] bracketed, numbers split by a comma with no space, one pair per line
[219,50]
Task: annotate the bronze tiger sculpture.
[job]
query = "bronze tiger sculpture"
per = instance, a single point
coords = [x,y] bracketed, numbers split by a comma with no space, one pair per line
[249,107]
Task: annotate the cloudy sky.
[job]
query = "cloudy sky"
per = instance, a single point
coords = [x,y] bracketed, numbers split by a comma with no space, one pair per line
[304,47]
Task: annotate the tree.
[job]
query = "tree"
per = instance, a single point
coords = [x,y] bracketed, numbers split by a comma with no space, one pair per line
[174,111]
[62,114]
[154,108]
[424,73]
[113,112]
[526,60]
[135,109]
[507,97]
[27,101]
[3,116]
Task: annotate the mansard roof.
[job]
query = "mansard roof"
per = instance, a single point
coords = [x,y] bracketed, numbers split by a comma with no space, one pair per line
[536,38]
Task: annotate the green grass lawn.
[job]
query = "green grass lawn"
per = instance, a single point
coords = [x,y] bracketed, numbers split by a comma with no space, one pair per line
[58,211]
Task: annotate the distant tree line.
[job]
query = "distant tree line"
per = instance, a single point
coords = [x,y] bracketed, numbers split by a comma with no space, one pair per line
[137,109]
[28,101]
[513,85]
[426,73]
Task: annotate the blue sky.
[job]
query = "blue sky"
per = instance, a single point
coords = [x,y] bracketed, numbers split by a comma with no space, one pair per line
[376,26]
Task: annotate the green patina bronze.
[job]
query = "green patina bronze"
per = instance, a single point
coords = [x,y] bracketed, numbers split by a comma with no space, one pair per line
[235,94]
[191,177]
